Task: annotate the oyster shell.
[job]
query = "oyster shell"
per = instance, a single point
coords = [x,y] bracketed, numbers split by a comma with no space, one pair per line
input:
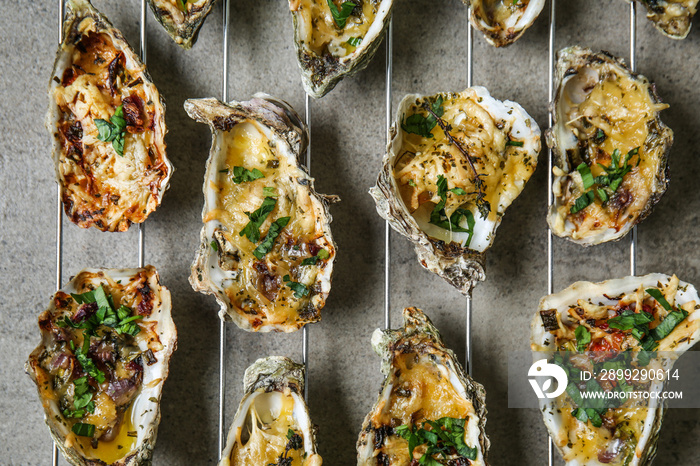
[107,121]
[182,18]
[672,17]
[95,366]
[428,190]
[629,431]
[503,21]
[328,49]
[606,128]
[424,383]
[256,194]
[273,405]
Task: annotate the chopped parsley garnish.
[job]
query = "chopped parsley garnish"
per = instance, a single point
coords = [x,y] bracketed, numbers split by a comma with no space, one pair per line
[243,175]
[659,297]
[341,16]
[252,229]
[269,191]
[121,320]
[355,41]
[266,244]
[583,338]
[300,290]
[88,365]
[113,130]
[607,183]
[320,255]
[588,414]
[439,218]
[443,438]
[510,142]
[458,191]
[83,430]
[82,399]
[423,125]
[214,245]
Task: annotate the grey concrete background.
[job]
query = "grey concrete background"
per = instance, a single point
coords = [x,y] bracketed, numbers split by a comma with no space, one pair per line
[348,136]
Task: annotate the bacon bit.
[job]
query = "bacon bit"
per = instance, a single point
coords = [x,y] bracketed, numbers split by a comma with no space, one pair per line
[145,307]
[603,346]
[112,71]
[151,120]
[72,139]
[267,283]
[61,300]
[133,110]
[313,248]
[648,309]
[70,75]
[85,311]
[601,324]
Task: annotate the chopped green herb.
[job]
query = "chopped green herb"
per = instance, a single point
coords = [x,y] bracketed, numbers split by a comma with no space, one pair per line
[252,229]
[214,245]
[355,41]
[341,16]
[585,175]
[300,290]
[629,319]
[439,218]
[423,125]
[243,175]
[583,338]
[266,244]
[412,183]
[458,191]
[667,325]
[582,202]
[321,255]
[225,170]
[659,297]
[182,5]
[442,438]
[269,191]
[83,430]
[510,142]
[113,130]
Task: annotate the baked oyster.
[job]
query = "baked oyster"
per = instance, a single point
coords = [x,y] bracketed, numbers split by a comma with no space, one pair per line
[181,18]
[611,326]
[272,424]
[266,247]
[107,121]
[610,147]
[106,342]
[425,391]
[503,21]
[453,165]
[336,38]
[672,17]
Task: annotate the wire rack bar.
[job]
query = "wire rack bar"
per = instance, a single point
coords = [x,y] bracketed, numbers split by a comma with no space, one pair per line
[550,194]
[304,330]
[387,227]
[142,49]
[468,318]
[633,66]
[222,326]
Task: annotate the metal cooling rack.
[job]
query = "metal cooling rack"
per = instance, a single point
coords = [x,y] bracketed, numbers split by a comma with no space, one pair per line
[387,233]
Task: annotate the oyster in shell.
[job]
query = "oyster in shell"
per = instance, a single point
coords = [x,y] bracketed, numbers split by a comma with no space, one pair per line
[503,21]
[181,18]
[672,17]
[610,325]
[272,424]
[425,389]
[266,247]
[107,121]
[106,342]
[447,191]
[609,145]
[336,38]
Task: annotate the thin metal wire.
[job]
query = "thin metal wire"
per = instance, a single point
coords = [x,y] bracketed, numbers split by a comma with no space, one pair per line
[550,194]
[633,66]
[470,79]
[59,218]
[222,327]
[387,227]
[143,46]
[304,330]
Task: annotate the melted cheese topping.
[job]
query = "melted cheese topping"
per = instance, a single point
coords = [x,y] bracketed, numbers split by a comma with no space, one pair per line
[263,437]
[421,390]
[99,187]
[503,168]
[622,108]
[322,35]
[258,289]
[114,450]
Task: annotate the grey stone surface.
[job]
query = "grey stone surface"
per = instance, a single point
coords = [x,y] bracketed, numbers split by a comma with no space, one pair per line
[348,136]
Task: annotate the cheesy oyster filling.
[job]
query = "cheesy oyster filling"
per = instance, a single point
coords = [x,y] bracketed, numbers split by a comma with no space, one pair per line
[92,365]
[270,239]
[616,157]
[333,28]
[502,14]
[422,402]
[592,336]
[460,165]
[112,161]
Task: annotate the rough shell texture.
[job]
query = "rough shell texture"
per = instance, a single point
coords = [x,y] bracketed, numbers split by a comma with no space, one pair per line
[102,189]
[502,23]
[321,73]
[672,18]
[542,341]
[269,375]
[459,265]
[573,60]
[208,274]
[182,27]
[419,335]
[147,411]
